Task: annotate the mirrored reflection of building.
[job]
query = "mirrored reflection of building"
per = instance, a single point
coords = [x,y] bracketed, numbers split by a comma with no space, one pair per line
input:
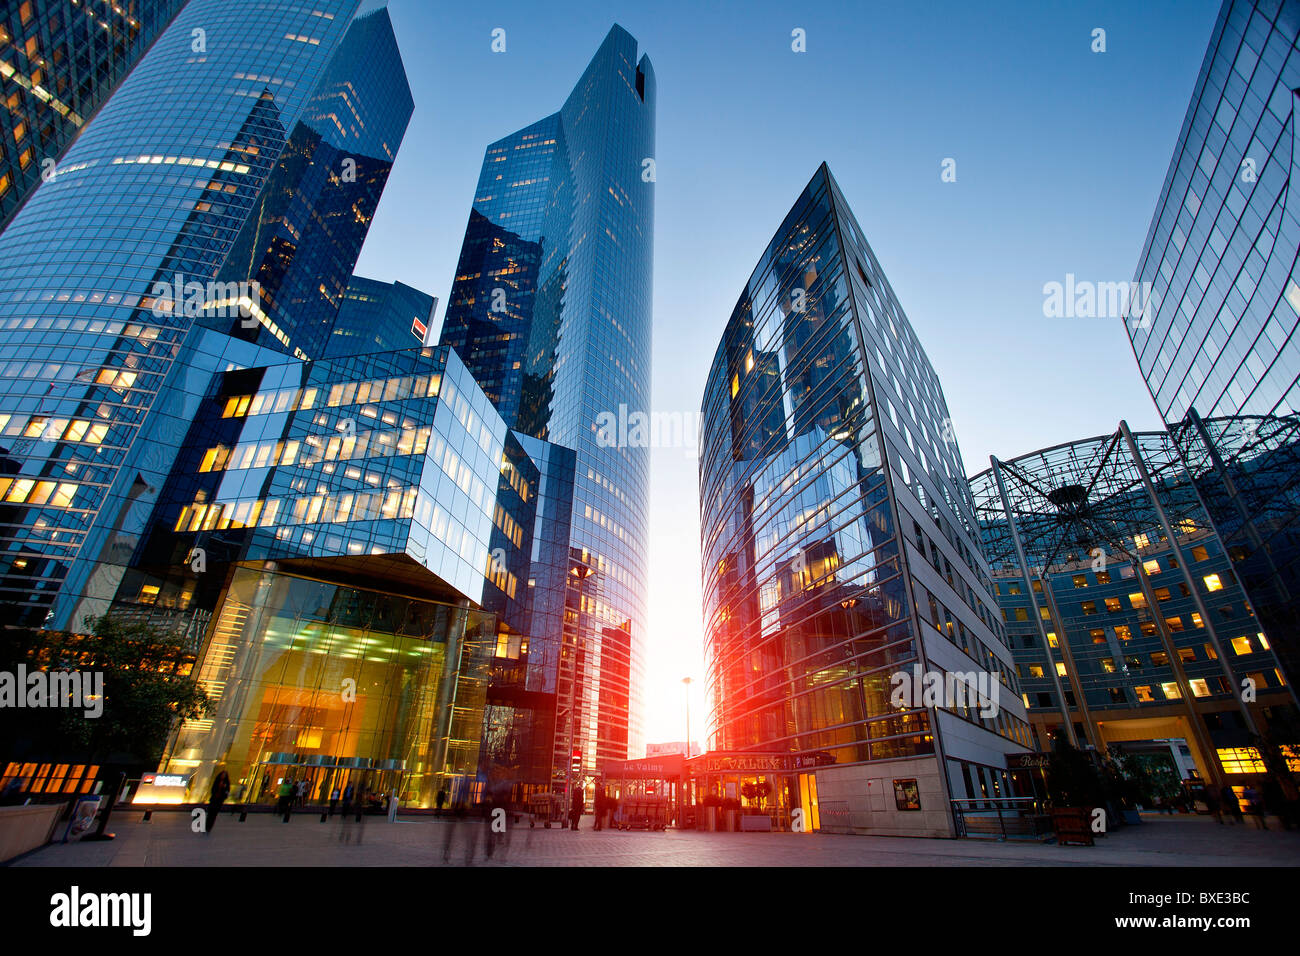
[157,186]
[1124,611]
[60,60]
[1218,343]
[379,317]
[551,311]
[840,549]
[302,239]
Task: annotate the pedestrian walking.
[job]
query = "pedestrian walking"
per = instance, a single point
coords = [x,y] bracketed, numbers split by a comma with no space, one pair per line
[334,800]
[1231,806]
[300,794]
[284,804]
[216,797]
[1213,805]
[348,794]
[439,801]
[1255,806]
[576,806]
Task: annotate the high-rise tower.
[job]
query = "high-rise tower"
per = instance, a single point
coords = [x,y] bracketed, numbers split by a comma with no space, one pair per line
[841,560]
[551,311]
[157,186]
[1219,341]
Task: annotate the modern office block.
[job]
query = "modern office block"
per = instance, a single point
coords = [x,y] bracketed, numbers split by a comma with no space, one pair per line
[384,480]
[841,556]
[1218,343]
[551,311]
[380,316]
[1123,609]
[153,193]
[59,61]
[301,242]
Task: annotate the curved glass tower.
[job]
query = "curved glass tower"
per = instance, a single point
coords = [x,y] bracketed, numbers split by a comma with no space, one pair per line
[157,186]
[550,309]
[839,545]
[1219,344]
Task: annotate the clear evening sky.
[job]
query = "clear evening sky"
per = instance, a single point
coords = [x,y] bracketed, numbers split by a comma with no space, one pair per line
[1060,154]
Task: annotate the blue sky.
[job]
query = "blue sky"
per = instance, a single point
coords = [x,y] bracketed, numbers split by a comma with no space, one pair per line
[1060,155]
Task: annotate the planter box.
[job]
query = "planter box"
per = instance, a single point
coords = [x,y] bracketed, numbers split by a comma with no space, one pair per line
[755,823]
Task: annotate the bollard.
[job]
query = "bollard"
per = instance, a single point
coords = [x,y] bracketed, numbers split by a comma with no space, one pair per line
[148,816]
[243,815]
[322,817]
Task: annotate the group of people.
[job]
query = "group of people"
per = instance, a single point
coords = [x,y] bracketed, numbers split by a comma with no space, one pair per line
[1257,804]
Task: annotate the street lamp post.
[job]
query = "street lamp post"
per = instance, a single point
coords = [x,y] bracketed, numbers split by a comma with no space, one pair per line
[687,682]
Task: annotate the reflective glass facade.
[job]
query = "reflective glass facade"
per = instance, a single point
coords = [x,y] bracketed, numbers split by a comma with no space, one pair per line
[1218,344]
[388,471]
[59,61]
[301,242]
[1119,633]
[838,539]
[551,310]
[158,185]
[337,685]
[379,316]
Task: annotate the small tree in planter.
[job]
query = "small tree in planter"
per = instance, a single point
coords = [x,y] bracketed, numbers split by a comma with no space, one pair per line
[757,793]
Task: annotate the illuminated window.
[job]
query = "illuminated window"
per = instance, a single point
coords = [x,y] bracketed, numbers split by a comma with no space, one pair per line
[1137,600]
[1051,639]
[1080,580]
[1140,541]
[1103,577]
[1199,687]
[1060,669]
[1113,605]
[1089,607]
[1175,624]
[1108,665]
[1144,694]
[1212,583]
[1241,646]
[1263,641]
[1241,760]
[1171,691]
[1123,632]
[1200,554]
[1036,670]
[1151,567]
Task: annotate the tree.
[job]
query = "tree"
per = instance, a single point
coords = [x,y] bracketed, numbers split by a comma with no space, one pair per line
[146,683]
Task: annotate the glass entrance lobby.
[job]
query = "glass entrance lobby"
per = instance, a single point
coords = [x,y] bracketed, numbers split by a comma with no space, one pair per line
[334,685]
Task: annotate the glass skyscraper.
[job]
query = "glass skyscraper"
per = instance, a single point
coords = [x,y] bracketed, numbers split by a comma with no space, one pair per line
[379,316]
[551,311]
[59,61]
[1219,343]
[156,188]
[840,548]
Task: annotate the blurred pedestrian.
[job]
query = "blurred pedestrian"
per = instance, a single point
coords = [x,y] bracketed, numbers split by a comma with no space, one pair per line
[1255,806]
[216,797]
[576,805]
[1231,806]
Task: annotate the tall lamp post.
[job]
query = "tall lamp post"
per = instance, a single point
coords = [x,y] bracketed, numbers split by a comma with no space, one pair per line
[687,682]
[581,571]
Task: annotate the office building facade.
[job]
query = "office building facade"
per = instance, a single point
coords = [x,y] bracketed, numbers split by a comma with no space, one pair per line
[60,60]
[1217,342]
[1123,609]
[152,194]
[551,311]
[841,560]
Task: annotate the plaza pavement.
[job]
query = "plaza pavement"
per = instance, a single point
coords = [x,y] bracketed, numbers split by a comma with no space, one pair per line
[263,840]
